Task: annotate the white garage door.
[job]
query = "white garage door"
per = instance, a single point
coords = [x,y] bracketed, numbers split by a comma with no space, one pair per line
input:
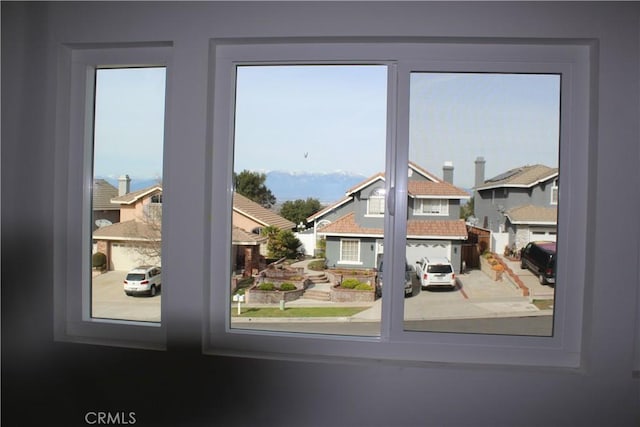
[125,257]
[429,249]
[546,234]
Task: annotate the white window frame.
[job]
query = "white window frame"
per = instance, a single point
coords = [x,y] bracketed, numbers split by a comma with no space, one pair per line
[380,201]
[554,192]
[344,260]
[77,65]
[442,211]
[571,60]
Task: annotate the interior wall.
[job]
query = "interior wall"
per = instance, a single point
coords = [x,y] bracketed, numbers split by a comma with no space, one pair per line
[51,383]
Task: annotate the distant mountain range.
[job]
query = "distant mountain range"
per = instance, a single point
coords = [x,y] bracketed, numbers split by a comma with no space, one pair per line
[326,187]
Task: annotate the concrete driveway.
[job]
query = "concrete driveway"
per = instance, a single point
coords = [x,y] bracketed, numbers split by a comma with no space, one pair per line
[108,300]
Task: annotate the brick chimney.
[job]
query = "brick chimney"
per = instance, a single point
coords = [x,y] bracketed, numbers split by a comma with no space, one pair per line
[479,171]
[124,185]
[447,172]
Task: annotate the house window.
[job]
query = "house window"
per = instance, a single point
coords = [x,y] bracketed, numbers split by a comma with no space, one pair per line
[554,192]
[432,207]
[349,251]
[375,205]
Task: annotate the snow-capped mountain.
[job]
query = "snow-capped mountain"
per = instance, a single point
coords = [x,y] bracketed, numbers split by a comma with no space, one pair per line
[326,187]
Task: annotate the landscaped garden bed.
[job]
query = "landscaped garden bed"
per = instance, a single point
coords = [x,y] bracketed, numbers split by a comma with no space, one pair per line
[353,290]
[277,283]
[273,293]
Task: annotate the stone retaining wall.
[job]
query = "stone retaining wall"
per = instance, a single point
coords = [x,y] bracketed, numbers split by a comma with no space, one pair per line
[351,295]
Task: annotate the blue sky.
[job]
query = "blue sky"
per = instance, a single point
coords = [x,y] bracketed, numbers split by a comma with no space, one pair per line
[129,122]
[333,118]
[311,118]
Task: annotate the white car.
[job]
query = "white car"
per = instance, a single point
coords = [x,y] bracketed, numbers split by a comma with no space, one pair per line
[435,272]
[145,279]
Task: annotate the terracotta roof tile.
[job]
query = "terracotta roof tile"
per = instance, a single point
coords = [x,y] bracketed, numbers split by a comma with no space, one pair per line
[128,230]
[415,228]
[253,210]
[132,197]
[441,188]
[242,237]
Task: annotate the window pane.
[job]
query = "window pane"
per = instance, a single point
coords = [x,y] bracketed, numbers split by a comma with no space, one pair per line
[501,133]
[308,168]
[127,193]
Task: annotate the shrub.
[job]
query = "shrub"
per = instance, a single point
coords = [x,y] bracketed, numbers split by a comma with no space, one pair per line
[317,265]
[99,260]
[266,286]
[363,287]
[350,283]
[288,287]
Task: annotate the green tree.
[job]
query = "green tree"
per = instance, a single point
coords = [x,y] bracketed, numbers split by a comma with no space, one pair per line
[281,243]
[467,210]
[252,185]
[299,210]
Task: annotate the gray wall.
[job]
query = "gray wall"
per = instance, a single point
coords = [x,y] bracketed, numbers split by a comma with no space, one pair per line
[367,252]
[49,383]
[485,205]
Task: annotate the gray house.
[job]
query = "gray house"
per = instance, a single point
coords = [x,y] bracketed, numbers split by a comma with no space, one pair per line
[353,226]
[521,202]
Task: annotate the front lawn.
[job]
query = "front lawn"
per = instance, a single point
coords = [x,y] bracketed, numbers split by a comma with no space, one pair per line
[299,312]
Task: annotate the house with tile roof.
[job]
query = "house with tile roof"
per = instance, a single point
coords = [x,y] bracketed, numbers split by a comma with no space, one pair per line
[353,226]
[522,202]
[136,239]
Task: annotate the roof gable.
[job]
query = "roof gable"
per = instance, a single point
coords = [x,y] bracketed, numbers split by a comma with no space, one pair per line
[259,214]
[134,196]
[347,226]
[433,187]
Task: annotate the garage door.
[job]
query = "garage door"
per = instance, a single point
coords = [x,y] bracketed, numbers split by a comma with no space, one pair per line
[542,234]
[125,257]
[427,248]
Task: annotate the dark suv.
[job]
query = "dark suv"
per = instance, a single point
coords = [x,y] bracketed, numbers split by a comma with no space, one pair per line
[540,258]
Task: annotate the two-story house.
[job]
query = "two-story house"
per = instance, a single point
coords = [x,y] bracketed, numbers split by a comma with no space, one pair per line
[353,226]
[522,202]
[136,239]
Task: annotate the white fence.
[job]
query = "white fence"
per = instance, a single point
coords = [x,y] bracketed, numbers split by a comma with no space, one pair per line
[308,240]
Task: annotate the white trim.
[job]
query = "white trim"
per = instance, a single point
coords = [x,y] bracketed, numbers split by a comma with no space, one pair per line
[418,210]
[358,244]
[72,245]
[382,200]
[445,196]
[365,184]
[554,189]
